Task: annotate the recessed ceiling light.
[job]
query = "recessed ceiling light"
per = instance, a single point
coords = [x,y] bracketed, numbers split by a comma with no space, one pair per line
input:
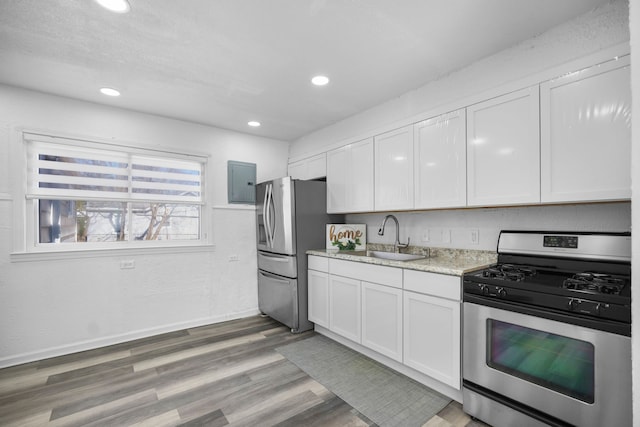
[320,80]
[253,124]
[118,6]
[109,91]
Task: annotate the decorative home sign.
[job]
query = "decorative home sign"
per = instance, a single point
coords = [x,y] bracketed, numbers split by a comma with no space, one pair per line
[347,237]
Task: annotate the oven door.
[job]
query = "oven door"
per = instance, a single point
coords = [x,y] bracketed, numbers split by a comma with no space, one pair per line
[575,374]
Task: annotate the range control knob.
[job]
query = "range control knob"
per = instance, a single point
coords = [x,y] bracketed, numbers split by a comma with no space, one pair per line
[574,304]
[602,308]
[484,289]
[501,292]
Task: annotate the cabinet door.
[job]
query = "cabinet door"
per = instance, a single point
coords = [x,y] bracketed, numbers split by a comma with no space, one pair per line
[360,177]
[344,307]
[440,161]
[318,298]
[394,170]
[298,170]
[311,168]
[337,164]
[432,337]
[317,166]
[503,150]
[382,319]
[350,178]
[586,134]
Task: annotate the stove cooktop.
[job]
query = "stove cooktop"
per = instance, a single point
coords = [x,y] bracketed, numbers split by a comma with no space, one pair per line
[594,285]
[601,295]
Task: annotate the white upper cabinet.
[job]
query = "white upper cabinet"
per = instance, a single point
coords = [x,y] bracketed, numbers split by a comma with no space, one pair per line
[394,170]
[503,150]
[317,166]
[311,168]
[350,178]
[586,134]
[440,161]
[337,163]
[297,170]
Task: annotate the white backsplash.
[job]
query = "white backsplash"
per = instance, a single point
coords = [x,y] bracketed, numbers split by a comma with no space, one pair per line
[454,228]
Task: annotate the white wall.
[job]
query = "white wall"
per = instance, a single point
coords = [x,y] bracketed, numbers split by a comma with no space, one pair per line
[602,28]
[634,19]
[458,224]
[55,306]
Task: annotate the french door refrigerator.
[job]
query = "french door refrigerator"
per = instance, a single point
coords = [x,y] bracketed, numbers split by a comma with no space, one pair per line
[291,218]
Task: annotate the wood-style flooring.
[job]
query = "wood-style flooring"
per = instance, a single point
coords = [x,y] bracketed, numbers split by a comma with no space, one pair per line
[223,374]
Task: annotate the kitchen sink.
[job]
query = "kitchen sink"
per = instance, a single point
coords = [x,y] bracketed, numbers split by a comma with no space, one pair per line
[394,256]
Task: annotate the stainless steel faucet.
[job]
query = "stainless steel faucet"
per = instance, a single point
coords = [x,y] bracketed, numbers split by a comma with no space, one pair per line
[396,244]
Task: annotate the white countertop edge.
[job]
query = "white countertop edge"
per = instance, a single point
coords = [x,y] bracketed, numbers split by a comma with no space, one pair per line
[432,264]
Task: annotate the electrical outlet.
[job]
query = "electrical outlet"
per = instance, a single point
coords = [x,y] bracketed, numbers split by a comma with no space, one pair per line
[127,264]
[446,235]
[475,236]
[233,258]
[425,235]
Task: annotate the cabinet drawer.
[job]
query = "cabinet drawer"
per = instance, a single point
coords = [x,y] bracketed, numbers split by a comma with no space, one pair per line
[439,285]
[388,276]
[318,263]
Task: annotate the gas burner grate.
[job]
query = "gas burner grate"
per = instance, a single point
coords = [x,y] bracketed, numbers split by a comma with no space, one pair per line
[509,272]
[595,282]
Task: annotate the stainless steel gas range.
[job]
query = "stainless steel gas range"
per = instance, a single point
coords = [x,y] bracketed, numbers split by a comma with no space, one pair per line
[547,331]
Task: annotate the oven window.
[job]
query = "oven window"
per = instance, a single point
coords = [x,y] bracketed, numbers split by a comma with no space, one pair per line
[559,363]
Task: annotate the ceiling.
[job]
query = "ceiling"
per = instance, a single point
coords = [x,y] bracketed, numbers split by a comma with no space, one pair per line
[225,62]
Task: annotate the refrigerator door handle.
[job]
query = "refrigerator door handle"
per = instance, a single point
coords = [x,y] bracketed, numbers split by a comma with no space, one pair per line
[265,214]
[272,220]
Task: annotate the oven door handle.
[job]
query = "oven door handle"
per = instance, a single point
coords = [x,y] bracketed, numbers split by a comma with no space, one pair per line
[606,325]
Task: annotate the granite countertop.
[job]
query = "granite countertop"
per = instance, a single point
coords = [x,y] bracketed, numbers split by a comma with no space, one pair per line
[454,262]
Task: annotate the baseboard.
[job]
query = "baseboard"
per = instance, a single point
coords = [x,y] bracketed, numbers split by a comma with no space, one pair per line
[436,385]
[117,339]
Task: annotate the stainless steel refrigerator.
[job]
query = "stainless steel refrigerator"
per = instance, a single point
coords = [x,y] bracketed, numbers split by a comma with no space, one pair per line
[291,219]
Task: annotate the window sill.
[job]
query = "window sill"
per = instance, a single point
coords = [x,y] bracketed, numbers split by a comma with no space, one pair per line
[108,252]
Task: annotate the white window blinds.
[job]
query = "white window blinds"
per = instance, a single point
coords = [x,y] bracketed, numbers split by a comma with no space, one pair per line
[72,171]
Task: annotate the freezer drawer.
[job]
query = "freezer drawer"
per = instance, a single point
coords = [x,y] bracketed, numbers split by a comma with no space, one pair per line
[278,298]
[282,265]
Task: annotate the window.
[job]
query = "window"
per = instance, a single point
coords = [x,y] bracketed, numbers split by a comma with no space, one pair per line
[107,195]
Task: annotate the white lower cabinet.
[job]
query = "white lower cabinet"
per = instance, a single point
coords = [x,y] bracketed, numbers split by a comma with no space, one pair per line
[318,296]
[411,317]
[382,319]
[432,337]
[344,307]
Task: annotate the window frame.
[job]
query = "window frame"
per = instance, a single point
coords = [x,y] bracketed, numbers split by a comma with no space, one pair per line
[30,233]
